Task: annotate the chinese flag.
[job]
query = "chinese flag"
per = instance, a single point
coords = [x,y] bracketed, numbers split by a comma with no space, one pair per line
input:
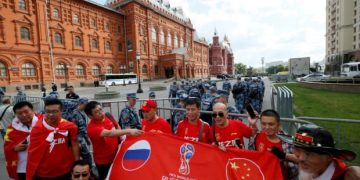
[165,157]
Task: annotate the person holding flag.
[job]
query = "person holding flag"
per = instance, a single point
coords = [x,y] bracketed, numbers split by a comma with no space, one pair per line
[192,127]
[152,122]
[17,138]
[53,146]
[230,133]
[104,133]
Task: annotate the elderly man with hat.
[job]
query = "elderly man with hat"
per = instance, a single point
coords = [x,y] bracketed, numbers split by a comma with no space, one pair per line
[152,122]
[128,116]
[80,118]
[317,156]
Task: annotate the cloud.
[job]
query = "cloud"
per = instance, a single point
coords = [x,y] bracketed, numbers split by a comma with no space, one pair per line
[276,29]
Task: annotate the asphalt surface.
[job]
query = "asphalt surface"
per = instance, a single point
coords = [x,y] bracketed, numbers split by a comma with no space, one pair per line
[90,91]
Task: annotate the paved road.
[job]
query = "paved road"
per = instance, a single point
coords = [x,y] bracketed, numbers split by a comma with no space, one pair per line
[89,92]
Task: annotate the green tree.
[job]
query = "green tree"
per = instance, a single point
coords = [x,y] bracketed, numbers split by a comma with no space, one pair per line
[276,69]
[240,68]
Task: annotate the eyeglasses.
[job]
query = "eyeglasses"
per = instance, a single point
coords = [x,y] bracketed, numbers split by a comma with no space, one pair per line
[80,174]
[220,114]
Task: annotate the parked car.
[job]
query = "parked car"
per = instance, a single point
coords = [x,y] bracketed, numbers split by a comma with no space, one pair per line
[313,77]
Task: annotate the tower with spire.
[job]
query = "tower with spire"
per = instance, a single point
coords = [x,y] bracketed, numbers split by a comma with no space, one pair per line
[221,57]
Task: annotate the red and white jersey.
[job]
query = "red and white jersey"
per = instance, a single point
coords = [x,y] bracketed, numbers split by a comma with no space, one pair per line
[191,131]
[232,135]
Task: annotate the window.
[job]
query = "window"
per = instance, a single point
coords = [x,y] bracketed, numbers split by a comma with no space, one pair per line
[22,4]
[92,23]
[169,39]
[144,69]
[109,69]
[60,69]
[155,50]
[94,43]
[108,45]
[181,42]
[162,37]
[107,27]
[56,13]
[96,70]
[120,47]
[78,41]
[154,35]
[3,72]
[76,19]
[58,38]
[176,42]
[25,33]
[143,47]
[28,69]
[79,70]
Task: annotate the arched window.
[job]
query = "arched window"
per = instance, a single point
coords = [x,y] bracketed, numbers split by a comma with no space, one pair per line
[3,70]
[96,70]
[176,42]
[154,35]
[60,69]
[28,69]
[162,37]
[80,70]
[76,19]
[58,38]
[56,13]
[109,69]
[92,23]
[25,33]
[120,47]
[169,43]
[181,42]
[78,41]
[108,45]
[94,43]
[22,5]
[144,69]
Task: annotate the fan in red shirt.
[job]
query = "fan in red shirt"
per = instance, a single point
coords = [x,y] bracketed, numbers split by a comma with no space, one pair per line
[230,133]
[190,127]
[53,146]
[104,132]
[152,122]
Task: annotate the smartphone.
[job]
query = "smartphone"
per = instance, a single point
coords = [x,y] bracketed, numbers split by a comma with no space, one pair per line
[250,110]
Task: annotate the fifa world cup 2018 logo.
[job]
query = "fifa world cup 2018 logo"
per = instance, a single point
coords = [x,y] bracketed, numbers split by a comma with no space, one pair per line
[187,151]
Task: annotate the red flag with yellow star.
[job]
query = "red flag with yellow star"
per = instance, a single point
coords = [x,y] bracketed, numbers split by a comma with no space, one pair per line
[12,138]
[165,157]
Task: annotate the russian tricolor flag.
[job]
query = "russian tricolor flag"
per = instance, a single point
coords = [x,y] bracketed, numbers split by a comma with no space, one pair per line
[136,155]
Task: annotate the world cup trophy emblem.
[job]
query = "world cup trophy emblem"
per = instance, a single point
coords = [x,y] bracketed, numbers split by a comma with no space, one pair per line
[187,151]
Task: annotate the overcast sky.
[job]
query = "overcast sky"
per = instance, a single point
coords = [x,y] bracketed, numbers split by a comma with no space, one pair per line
[273,29]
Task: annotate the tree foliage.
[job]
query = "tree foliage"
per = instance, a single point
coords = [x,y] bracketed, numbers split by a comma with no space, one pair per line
[276,69]
[240,68]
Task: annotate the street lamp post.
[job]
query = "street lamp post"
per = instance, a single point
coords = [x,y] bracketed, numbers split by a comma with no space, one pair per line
[139,72]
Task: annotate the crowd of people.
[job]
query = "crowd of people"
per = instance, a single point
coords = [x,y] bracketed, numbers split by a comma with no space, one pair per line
[54,145]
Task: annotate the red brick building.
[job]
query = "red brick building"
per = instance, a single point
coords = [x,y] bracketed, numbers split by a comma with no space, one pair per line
[74,42]
[221,56]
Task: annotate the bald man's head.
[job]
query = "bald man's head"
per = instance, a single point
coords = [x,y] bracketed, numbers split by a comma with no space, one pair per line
[220,106]
[220,114]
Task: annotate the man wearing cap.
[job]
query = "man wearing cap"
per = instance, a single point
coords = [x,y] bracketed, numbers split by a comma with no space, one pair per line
[317,156]
[178,115]
[230,133]
[172,93]
[80,119]
[227,85]
[128,116]
[152,122]
[152,95]
[222,97]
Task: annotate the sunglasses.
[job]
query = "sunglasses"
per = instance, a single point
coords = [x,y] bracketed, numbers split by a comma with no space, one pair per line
[81,174]
[220,114]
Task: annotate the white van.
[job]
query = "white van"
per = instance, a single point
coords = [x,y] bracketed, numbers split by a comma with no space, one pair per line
[350,69]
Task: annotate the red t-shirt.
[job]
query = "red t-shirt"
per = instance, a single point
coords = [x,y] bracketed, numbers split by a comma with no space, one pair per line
[159,125]
[263,143]
[105,148]
[233,132]
[59,159]
[191,131]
